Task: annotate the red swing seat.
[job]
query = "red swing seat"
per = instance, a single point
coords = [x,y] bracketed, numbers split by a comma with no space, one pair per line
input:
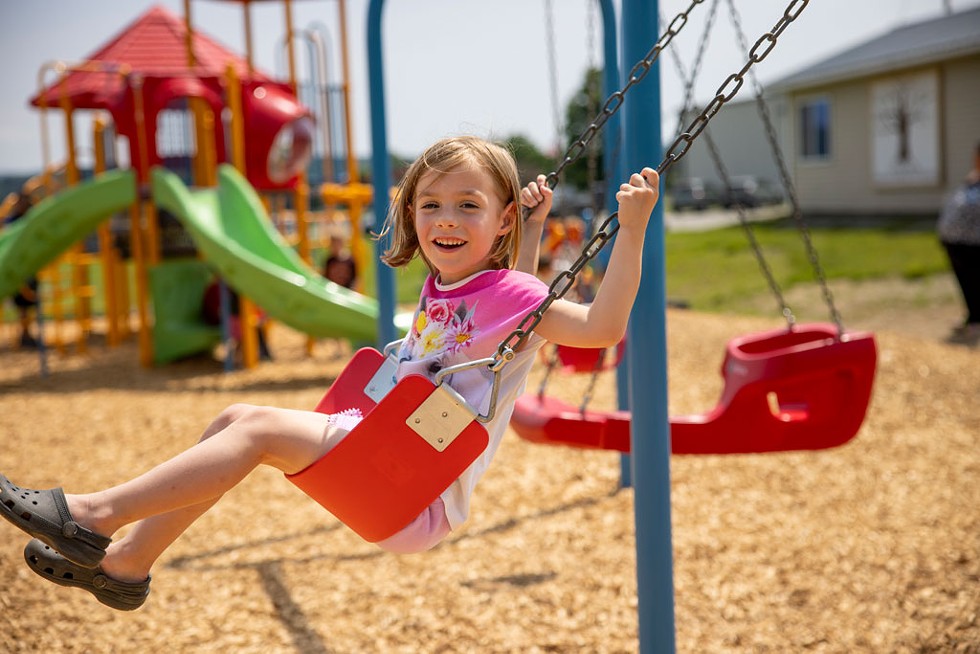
[537,416]
[587,359]
[549,421]
[799,389]
[384,473]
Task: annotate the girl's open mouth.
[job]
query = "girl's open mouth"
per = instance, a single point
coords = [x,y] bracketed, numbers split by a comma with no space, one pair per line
[448,243]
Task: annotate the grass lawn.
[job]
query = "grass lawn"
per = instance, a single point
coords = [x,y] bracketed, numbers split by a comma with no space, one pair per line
[717,270]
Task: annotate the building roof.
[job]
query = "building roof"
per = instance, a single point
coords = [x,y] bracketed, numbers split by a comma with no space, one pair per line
[926,42]
[153,45]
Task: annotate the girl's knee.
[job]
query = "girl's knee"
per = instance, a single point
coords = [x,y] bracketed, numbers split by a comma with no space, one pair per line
[250,418]
[235,411]
[228,416]
[251,413]
[287,439]
[259,426]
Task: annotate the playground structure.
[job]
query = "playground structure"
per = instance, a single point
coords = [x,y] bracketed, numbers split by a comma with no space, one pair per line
[163,89]
[230,246]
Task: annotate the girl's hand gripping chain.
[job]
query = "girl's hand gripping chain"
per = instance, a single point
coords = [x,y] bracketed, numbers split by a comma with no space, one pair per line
[636,200]
[537,196]
[603,323]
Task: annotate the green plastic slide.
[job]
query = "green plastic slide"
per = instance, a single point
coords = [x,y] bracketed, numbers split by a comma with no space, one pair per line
[178,287]
[58,222]
[230,228]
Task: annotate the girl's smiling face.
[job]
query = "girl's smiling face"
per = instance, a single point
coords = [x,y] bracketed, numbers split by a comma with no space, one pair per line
[458,217]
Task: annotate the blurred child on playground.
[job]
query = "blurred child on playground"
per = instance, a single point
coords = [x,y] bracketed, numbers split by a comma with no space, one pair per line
[458,208]
[562,243]
[339,266]
[26,298]
[211,312]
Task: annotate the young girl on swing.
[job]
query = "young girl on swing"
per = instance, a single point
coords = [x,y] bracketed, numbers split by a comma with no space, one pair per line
[458,207]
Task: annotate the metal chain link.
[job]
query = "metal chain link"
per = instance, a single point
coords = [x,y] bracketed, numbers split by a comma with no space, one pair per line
[787,181]
[698,61]
[552,365]
[592,160]
[743,220]
[730,86]
[726,177]
[597,368]
[564,281]
[549,33]
[615,99]
[600,364]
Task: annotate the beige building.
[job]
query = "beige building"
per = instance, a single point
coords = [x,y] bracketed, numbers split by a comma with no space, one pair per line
[886,127]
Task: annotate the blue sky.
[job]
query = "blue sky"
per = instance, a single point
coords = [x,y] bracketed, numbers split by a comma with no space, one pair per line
[452,66]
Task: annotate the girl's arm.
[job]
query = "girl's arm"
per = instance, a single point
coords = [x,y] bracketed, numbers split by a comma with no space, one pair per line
[536,196]
[603,323]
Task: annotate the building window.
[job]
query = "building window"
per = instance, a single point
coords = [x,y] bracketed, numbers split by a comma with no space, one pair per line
[905,140]
[815,129]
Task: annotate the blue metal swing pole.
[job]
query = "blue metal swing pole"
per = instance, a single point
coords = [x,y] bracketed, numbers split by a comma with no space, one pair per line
[648,354]
[613,171]
[381,173]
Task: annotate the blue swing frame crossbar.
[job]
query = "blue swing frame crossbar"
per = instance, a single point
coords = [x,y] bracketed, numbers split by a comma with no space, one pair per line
[647,360]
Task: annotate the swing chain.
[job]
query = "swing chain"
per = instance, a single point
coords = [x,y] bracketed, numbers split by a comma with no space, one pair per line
[696,70]
[787,181]
[552,364]
[590,389]
[615,99]
[560,285]
[730,86]
[720,164]
[564,281]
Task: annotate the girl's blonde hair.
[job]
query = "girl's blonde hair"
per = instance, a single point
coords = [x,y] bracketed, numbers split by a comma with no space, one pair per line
[442,157]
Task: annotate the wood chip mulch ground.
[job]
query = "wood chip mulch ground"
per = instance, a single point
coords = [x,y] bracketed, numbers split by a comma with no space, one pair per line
[870,547]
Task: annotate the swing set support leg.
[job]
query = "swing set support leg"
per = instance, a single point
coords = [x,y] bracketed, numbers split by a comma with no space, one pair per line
[648,357]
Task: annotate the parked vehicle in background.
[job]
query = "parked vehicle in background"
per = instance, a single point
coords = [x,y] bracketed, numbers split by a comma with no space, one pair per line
[569,201]
[693,193]
[751,191]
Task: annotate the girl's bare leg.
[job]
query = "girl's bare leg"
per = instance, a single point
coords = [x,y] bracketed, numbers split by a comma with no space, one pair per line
[167,499]
[131,557]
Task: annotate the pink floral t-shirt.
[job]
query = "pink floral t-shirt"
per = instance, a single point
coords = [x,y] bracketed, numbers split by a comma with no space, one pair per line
[462,322]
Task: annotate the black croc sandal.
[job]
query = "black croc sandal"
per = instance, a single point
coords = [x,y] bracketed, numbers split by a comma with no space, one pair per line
[121,595]
[44,515]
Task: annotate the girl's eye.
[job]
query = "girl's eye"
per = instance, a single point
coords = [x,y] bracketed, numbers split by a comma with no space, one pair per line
[428,205]
[470,205]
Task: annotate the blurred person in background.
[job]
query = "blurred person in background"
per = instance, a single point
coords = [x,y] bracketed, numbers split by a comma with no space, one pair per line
[959,233]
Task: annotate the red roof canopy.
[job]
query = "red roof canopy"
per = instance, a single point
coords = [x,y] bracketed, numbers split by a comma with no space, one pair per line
[154,45]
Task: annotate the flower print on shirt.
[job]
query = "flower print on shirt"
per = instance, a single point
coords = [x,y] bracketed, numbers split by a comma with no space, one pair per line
[441,326]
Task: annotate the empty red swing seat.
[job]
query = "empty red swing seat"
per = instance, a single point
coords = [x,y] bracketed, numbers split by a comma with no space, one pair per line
[799,389]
